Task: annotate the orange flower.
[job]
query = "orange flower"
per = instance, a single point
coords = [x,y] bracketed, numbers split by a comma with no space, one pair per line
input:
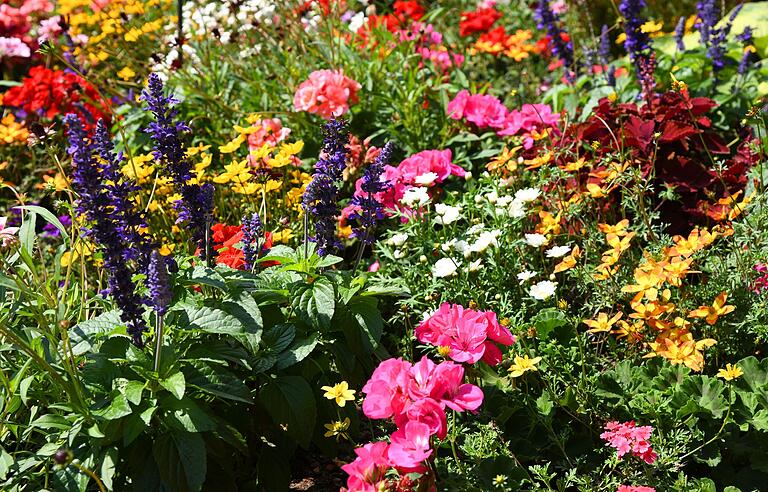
[569,261]
[620,229]
[713,312]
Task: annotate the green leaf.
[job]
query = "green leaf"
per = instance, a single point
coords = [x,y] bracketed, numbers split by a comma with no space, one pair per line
[133,391]
[52,421]
[181,460]
[135,425]
[700,394]
[297,352]
[544,404]
[116,409]
[217,381]
[315,302]
[202,275]
[547,320]
[278,338]
[186,415]
[85,334]
[365,311]
[290,401]
[48,216]
[176,384]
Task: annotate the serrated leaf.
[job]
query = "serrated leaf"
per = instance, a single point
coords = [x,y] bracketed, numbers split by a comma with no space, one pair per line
[176,384]
[181,460]
[315,302]
[216,380]
[297,352]
[85,334]
[118,407]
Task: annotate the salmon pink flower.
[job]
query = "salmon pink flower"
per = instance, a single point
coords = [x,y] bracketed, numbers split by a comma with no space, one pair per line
[628,438]
[328,93]
[635,488]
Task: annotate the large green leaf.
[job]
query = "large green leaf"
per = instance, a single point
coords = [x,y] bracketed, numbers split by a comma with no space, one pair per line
[176,384]
[315,302]
[297,352]
[181,460]
[216,380]
[366,313]
[118,407]
[290,401]
[84,335]
[700,394]
[186,415]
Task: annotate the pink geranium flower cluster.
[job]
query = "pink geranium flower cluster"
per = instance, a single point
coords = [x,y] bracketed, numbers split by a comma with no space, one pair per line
[467,334]
[486,111]
[627,437]
[434,164]
[635,488]
[328,93]
[415,396]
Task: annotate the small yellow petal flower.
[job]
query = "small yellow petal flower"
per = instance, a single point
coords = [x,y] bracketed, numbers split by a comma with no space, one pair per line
[730,372]
[340,392]
[522,365]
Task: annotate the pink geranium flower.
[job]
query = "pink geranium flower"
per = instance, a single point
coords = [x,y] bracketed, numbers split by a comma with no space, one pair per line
[635,488]
[7,234]
[627,437]
[328,93]
[428,412]
[482,110]
[386,389]
[409,446]
[468,334]
[366,473]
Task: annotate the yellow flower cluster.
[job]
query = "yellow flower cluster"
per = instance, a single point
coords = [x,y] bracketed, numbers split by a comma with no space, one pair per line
[11,131]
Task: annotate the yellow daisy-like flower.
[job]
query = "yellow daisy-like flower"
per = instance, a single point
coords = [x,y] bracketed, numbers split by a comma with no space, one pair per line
[730,372]
[233,145]
[126,73]
[522,365]
[337,429]
[340,392]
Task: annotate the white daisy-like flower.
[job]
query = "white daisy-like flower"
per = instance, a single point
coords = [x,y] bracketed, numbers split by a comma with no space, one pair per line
[525,276]
[475,265]
[485,240]
[398,254]
[492,196]
[504,201]
[357,21]
[447,214]
[527,194]
[543,290]
[444,267]
[516,209]
[398,239]
[476,229]
[415,197]
[426,179]
[536,239]
[557,251]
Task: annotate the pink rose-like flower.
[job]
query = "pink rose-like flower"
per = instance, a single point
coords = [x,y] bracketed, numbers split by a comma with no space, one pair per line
[439,162]
[626,438]
[635,488]
[49,29]
[14,47]
[328,93]
[482,110]
[367,472]
[469,334]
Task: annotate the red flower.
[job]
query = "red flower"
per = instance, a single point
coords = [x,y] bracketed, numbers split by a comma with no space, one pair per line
[50,93]
[478,21]
[225,240]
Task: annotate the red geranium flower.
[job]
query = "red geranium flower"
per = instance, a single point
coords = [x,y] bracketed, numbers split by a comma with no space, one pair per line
[225,240]
[478,21]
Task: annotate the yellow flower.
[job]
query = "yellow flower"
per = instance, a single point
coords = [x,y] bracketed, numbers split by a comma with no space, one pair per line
[238,172]
[730,372]
[651,27]
[292,149]
[262,152]
[197,149]
[57,182]
[522,365]
[283,236]
[602,323]
[337,429]
[233,145]
[126,73]
[340,392]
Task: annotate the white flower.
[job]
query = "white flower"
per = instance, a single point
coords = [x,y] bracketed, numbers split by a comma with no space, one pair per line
[479,199]
[516,209]
[484,241]
[504,201]
[535,240]
[527,194]
[398,239]
[447,246]
[475,265]
[447,214]
[543,290]
[467,176]
[558,251]
[476,229]
[525,276]
[492,196]
[422,259]
[415,197]
[426,179]
[357,21]
[445,267]
[462,247]
[398,254]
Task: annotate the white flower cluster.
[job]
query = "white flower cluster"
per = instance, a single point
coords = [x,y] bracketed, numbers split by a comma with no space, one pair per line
[511,205]
[477,241]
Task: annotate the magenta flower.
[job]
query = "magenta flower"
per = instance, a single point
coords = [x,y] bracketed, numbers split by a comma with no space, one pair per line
[635,488]
[367,472]
[468,334]
[409,446]
[428,412]
[628,438]
[386,389]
